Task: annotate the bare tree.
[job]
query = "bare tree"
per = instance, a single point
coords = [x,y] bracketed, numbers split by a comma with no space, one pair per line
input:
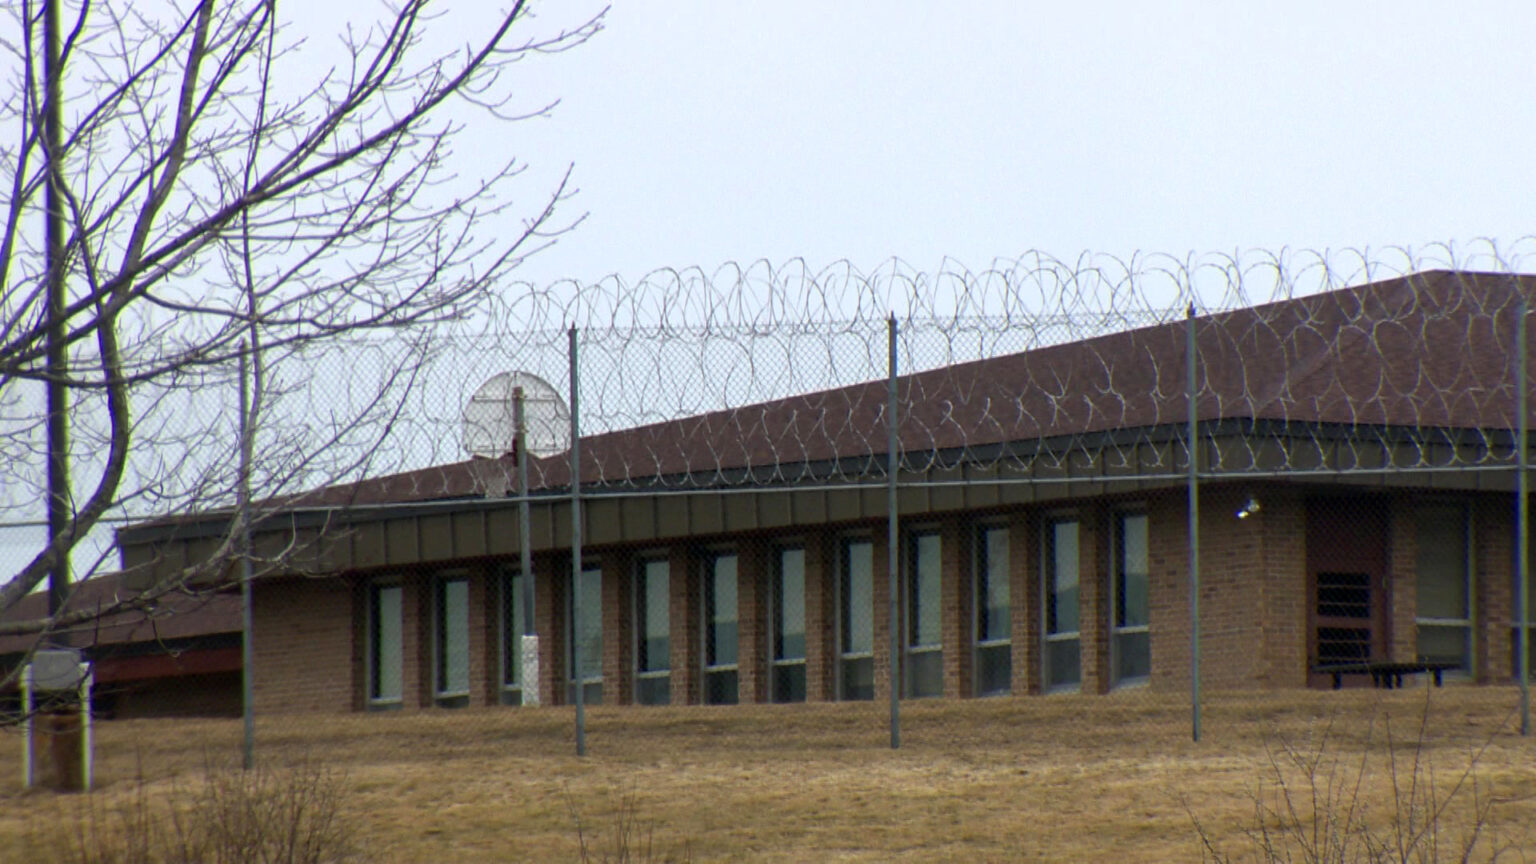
[215,201]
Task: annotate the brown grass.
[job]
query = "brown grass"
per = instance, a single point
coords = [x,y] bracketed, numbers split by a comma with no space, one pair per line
[1054,778]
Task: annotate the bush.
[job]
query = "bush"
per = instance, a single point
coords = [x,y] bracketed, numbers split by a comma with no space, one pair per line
[628,840]
[1317,804]
[261,816]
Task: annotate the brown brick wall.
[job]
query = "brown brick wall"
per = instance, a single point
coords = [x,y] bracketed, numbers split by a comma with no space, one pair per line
[957,589]
[1252,589]
[820,617]
[303,645]
[485,637]
[881,594]
[310,634]
[551,588]
[416,652]
[619,569]
[481,614]
[1168,590]
[1402,579]
[753,575]
[1283,535]
[1093,539]
[1025,598]
[1493,561]
[1231,590]
[686,622]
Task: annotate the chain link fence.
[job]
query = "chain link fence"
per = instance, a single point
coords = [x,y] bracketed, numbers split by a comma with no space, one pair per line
[1155,485]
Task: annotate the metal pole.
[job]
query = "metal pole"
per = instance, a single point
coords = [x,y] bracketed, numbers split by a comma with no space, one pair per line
[529,646]
[581,699]
[892,537]
[56,357]
[66,749]
[247,649]
[1522,520]
[1194,527]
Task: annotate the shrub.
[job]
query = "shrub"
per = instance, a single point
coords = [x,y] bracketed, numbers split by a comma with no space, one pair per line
[1317,804]
[628,840]
[261,816]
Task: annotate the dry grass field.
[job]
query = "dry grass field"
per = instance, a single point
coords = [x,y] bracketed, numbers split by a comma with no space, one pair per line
[1065,778]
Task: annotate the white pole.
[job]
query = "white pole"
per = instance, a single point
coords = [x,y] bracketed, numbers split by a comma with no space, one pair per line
[87,681]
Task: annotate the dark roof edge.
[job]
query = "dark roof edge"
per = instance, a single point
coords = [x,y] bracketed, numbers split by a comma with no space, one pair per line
[824,473]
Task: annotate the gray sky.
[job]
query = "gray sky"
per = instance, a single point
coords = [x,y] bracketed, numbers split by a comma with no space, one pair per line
[705,131]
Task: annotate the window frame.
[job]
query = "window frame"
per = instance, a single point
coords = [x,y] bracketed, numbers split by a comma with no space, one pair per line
[572,634]
[708,670]
[980,578]
[371,664]
[1116,580]
[510,636]
[1047,574]
[780,666]
[842,623]
[912,618]
[639,609]
[442,697]
[1469,585]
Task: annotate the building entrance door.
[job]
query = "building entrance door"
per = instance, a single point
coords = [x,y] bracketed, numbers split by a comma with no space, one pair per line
[1347,588]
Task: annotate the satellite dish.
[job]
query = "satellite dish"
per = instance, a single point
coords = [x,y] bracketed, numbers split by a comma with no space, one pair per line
[490,417]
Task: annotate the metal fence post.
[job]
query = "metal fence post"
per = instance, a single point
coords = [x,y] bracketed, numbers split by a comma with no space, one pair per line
[1522,520]
[892,536]
[247,648]
[576,610]
[528,646]
[1194,527]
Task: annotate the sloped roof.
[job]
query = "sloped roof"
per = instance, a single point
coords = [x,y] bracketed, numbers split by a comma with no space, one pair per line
[175,615]
[1429,350]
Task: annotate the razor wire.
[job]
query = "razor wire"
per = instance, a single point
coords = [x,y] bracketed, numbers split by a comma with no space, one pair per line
[1305,363]
[755,374]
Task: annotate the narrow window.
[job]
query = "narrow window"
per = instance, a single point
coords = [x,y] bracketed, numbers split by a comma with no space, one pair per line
[994,628]
[513,625]
[856,621]
[788,628]
[1060,569]
[925,631]
[384,645]
[452,644]
[653,648]
[720,630]
[1131,646]
[1444,615]
[587,669]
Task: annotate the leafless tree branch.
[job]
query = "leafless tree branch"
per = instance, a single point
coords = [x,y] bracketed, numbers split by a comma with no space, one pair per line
[218,196]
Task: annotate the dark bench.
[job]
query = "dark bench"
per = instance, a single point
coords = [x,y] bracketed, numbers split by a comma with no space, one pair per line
[1384,674]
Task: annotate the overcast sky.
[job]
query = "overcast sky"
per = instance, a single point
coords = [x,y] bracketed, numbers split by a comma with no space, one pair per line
[703,131]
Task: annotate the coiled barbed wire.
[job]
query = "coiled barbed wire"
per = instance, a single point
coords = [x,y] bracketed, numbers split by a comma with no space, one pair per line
[762,375]
[1031,368]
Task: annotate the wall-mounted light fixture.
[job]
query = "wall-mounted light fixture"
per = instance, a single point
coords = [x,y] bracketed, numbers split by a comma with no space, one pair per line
[1250,507]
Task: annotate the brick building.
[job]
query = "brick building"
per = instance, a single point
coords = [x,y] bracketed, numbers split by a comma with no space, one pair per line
[1356,459]
[179,658]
